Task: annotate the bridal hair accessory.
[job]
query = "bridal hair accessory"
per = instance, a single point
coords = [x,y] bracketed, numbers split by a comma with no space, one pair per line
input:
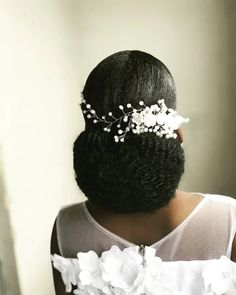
[156,118]
[137,270]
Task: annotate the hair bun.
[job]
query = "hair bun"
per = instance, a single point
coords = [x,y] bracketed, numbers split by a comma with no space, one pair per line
[140,174]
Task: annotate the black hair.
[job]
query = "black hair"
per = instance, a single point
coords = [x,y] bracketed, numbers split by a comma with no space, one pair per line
[143,172]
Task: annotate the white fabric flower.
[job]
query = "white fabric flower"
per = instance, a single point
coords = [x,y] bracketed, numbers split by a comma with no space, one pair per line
[91,272]
[125,267]
[220,277]
[87,290]
[128,272]
[148,280]
[151,280]
[67,268]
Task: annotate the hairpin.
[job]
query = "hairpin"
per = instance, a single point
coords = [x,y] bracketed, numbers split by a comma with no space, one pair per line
[155,118]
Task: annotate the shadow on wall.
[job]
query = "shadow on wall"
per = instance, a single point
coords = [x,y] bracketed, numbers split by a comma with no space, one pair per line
[8,273]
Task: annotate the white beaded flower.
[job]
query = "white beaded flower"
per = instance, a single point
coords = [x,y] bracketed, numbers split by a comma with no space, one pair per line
[137,270]
[220,277]
[126,265]
[90,269]
[156,118]
[69,270]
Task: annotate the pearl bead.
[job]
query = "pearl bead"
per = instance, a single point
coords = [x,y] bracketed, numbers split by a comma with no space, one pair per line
[225,275]
[156,276]
[124,268]
[95,274]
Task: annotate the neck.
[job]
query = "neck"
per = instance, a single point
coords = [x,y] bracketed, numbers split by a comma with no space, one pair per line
[95,209]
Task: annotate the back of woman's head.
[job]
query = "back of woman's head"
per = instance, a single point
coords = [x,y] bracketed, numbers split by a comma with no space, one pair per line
[143,172]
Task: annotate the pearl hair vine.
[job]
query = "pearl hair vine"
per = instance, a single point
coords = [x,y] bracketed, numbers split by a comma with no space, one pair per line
[157,118]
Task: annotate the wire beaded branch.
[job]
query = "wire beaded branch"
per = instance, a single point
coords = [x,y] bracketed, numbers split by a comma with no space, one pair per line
[156,118]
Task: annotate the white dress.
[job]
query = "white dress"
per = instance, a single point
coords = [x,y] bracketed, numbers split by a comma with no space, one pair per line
[199,245]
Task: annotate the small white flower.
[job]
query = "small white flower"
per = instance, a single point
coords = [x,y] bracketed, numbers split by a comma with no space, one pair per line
[155,118]
[137,118]
[160,118]
[150,119]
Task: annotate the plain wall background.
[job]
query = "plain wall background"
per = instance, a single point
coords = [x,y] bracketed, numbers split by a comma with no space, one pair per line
[47,50]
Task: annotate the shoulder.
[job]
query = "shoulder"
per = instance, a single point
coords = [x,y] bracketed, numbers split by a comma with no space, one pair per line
[65,212]
[70,213]
[222,199]
[225,204]
[54,248]
[70,208]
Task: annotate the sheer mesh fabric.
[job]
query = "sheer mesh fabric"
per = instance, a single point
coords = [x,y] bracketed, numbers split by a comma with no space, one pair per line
[207,232]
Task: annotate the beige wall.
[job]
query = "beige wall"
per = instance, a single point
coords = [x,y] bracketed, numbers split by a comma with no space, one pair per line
[47,50]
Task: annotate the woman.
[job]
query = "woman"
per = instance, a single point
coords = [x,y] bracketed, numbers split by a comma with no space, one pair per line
[132,183]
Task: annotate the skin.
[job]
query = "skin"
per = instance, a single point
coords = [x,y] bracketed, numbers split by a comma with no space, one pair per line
[167,218]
